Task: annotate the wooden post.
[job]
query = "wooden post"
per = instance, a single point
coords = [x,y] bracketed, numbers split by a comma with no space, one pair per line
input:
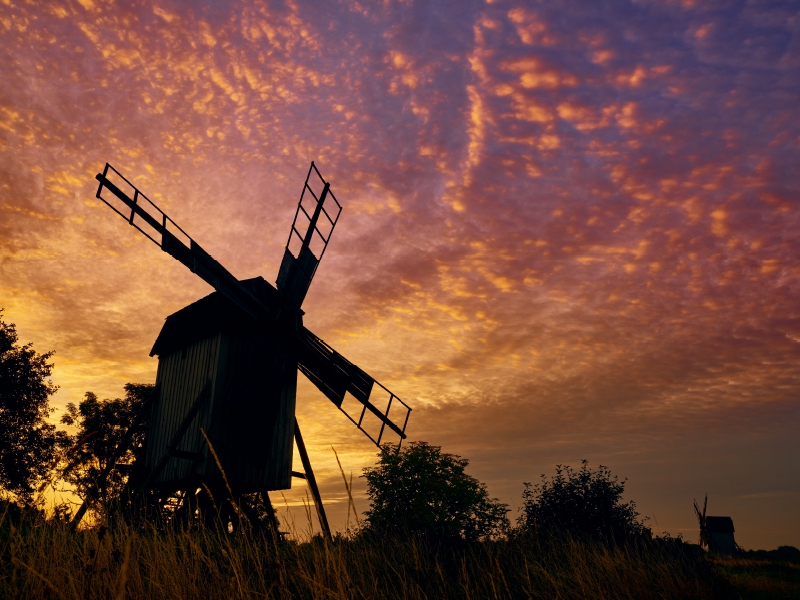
[312,482]
[271,516]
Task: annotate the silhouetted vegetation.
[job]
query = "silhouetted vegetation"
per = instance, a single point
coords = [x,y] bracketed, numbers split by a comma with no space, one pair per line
[101,425]
[421,490]
[585,503]
[148,559]
[49,560]
[28,443]
[781,554]
[758,579]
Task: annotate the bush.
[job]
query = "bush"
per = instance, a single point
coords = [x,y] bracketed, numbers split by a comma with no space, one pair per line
[586,503]
[422,490]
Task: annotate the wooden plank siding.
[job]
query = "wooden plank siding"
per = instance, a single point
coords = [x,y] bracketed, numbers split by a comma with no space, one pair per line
[182,375]
[253,427]
[249,416]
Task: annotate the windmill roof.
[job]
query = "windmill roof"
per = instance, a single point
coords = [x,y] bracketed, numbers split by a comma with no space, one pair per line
[208,316]
[719,524]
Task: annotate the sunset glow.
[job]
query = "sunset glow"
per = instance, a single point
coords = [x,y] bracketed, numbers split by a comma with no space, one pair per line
[566,232]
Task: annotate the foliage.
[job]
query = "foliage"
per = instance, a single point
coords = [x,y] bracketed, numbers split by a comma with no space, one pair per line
[420,489]
[28,443]
[584,503]
[101,425]
[261,516]
[13,514]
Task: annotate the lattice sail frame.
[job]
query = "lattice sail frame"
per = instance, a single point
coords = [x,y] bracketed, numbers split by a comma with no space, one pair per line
[147,209]
[309,235]
[319,208]
[350,380]
[176,242]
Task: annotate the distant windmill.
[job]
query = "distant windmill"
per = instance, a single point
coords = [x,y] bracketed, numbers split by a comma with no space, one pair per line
[716,533]
[227,372]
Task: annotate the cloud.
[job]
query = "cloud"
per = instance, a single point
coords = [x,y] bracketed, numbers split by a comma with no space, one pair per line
[556,227]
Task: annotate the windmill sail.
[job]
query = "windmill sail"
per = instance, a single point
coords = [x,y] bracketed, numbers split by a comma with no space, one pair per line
[335,376]
[311,231]
[701,518]
[156,225]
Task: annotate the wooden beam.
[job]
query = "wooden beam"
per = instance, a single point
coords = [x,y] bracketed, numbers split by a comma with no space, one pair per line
[312,482]
[194,456]
[176,439]
[271,516]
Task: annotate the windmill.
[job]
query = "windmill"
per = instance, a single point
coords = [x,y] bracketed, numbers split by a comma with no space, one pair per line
[716,533]
[222,415]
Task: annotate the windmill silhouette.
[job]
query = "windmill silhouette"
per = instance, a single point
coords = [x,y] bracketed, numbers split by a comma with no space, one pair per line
[716,533]
[222,415]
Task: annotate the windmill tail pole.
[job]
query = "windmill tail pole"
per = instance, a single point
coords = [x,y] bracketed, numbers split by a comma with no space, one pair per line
[112,462]
[312,482]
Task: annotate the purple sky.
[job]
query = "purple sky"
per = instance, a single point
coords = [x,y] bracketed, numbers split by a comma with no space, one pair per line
[567,233]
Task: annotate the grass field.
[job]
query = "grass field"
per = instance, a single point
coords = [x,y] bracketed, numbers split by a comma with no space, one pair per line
[756,579]
[44,559]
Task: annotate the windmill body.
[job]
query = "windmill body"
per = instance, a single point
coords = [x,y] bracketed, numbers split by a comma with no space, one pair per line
[719,533]
[248,414]
[227,373]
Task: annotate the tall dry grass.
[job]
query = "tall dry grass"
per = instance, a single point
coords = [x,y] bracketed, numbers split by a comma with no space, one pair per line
[45,559]
[759,578]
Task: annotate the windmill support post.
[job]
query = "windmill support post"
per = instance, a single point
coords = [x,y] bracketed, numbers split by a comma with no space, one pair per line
[121,448]
[312,482]
[271,517]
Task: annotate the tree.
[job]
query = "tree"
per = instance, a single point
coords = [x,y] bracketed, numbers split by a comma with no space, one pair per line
[101,425]
[28,443]
[420,489]
[586,503]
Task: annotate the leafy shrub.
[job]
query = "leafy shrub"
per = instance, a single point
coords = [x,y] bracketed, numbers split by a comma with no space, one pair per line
[420,489]
[585,503]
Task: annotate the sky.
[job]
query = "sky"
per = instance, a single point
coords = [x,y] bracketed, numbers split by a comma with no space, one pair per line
[568,231]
